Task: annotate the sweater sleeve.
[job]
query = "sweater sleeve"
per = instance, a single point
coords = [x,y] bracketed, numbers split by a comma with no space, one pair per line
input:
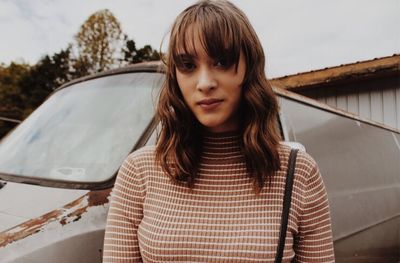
[314,241]
[124,216]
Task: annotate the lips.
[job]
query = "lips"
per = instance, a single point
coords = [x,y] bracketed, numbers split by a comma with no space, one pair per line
[209,104]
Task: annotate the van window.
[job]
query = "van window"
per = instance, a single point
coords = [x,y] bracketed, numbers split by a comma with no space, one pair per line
[83,132]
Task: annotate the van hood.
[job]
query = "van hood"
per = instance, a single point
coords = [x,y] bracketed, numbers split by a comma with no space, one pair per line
[21,202]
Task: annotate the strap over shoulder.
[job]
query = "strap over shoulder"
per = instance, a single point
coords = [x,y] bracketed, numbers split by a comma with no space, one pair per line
[286,204]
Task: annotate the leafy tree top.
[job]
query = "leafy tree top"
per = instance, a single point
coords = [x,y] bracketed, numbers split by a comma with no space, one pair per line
[99,41]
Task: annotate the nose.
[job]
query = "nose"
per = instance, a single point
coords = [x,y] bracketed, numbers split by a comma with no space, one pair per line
[206,80]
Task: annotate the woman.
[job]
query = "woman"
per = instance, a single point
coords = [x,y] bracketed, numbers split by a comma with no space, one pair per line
[212,188]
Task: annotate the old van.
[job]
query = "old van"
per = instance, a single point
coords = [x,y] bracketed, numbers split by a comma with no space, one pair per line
[57,168]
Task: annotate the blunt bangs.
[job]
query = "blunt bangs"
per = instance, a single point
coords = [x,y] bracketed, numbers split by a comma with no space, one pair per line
[219,34]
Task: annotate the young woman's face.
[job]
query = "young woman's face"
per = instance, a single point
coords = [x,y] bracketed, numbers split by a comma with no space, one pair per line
[210,89]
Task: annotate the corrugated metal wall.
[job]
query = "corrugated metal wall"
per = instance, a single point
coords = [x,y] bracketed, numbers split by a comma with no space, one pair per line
[377,100]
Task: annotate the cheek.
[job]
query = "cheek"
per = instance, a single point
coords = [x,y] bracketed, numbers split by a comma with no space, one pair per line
[238,97]
[235,83]
[184,86]
[181,82]
[236,92]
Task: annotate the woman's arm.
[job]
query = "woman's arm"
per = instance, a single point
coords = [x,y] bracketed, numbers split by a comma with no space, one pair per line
[124,216]
[314,241]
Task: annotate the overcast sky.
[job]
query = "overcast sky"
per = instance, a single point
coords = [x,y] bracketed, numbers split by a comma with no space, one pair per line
[297,35]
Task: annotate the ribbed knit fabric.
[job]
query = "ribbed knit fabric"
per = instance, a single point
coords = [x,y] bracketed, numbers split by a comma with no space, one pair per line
[152,219]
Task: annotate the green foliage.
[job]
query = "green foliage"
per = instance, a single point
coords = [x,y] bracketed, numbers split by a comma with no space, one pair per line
[132,55]
[11,97]
[80,67]
[99,40]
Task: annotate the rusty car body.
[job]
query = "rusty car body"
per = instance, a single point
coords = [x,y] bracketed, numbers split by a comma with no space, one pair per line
[57,168]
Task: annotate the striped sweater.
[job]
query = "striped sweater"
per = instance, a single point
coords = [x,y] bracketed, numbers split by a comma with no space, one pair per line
[152,219]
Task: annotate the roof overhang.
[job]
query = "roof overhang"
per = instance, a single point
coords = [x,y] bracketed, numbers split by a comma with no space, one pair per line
[364,70]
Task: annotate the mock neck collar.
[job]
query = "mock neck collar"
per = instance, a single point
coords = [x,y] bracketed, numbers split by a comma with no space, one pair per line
[221,147]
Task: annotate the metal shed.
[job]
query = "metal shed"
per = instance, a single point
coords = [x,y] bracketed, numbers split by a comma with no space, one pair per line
[370,89]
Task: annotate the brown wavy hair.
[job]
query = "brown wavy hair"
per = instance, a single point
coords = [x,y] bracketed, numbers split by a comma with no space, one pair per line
[224,31]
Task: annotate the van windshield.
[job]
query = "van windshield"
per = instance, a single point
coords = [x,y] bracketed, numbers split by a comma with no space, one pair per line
[82,133]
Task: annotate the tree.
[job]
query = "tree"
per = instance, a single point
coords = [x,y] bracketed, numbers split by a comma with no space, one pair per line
[11,97]
[132,55]
[99,42]
[80,67]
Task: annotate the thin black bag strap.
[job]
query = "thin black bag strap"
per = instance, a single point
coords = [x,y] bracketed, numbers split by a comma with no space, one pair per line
[286,204]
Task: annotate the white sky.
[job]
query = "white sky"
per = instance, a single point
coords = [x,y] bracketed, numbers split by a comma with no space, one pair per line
[297,35]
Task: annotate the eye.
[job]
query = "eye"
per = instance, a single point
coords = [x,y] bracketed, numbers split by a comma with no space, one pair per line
[221,63]
[186,65]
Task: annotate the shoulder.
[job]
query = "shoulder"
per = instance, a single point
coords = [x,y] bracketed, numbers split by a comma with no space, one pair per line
[307,177]
[305,163]
[144,154]
[139,160]
[132,177]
